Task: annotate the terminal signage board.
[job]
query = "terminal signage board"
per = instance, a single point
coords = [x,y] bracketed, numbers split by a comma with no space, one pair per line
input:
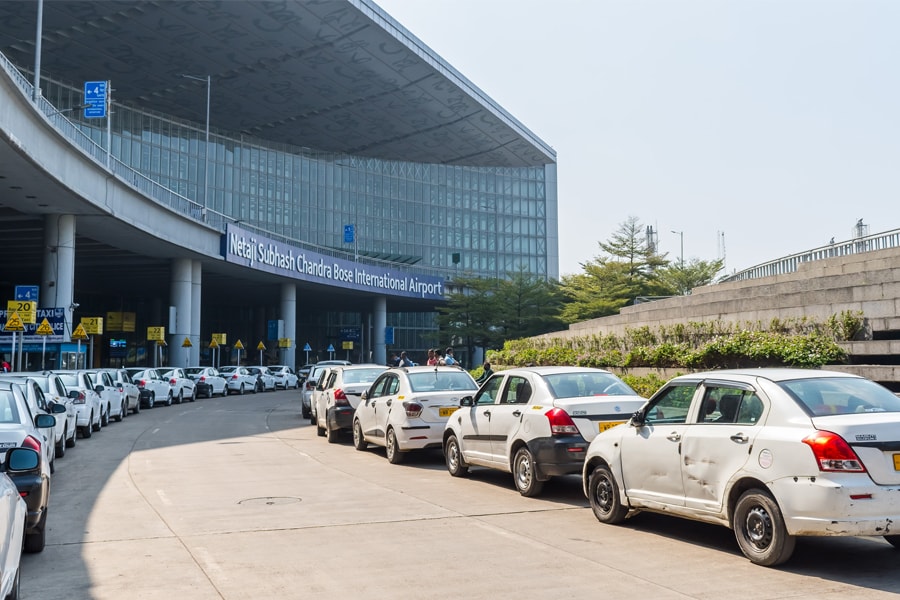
[95,99]
[248,248]
[56,318]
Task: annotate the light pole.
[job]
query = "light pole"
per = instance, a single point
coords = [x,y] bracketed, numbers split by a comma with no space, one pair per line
[208,81]
[681,235]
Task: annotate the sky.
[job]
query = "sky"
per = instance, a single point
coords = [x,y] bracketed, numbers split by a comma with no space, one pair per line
[746,130]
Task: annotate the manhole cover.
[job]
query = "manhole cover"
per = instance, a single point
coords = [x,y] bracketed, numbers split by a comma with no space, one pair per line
[271,500]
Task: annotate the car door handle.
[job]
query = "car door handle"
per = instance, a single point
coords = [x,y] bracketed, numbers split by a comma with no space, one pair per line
[674,437]
[389,402]
[486,413]
[740,437]
[517,413]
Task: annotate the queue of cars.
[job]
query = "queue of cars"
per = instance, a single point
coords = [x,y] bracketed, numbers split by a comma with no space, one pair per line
[773,454]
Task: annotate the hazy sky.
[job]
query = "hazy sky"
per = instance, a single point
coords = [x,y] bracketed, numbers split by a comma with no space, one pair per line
[772,126]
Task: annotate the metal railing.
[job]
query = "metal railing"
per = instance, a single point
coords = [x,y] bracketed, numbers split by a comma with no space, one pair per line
[790,264]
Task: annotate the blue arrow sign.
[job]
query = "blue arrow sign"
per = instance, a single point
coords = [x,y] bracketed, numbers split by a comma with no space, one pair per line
[95,99]
[307,348]
[27,292]
[330,348]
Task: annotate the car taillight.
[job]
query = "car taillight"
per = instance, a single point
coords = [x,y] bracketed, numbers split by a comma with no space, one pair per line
[413,409]
[310,385]
[340,398]
[32,442]
[833,453]
[202,378]
[80,399]
[121,388]
[235,376]
[560,422]
[140,383]
[172,381]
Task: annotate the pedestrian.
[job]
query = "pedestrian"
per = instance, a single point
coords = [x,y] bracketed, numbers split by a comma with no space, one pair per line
[4,366]
[432,358]
[486,373]
[394,360]
[439,357]
[449,360]
[404,360]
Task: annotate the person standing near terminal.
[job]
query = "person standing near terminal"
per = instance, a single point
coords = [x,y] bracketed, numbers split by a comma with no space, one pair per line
[485,374]
[432,358]
[404,360]
[449,359]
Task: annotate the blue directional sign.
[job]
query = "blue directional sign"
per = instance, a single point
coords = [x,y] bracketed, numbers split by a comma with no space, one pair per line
[95,99]
[330,348]
[349,234]
[307,347]
[388,335]
[27,293]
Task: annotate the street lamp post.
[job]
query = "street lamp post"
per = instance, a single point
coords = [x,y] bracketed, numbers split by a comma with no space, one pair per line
[681,235]
[208,81]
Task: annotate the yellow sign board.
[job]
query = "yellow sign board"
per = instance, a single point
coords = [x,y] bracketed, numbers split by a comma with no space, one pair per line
[219,338]
[14,322]
[79,333]
[92,325]
[45,328]
[214,344]
[284,342]
[187,343]
[156,334]
[239,345]
[260,346]
[128,320]
[27,310]
[347,345]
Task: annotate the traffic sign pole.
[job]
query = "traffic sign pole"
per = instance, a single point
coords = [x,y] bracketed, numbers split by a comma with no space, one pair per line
[12,363]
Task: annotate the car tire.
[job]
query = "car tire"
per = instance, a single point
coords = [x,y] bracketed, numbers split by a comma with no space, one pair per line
[453,457]
[87,430]
[137,406]
[320,431]
[359,441]
[61,446]
[104,416]
[121,414]
[525,473]
[152,401]
[332,435]
[99,424]
[394,455]
[34,542]
[169,399]
[180,398]
[760,531]
[603,493]
[194,395]
[70,442]
[241,391]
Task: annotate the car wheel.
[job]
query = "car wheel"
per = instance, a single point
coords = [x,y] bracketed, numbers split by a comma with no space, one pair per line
[760,531]
[70,442]
[359,442]
[34,542]
[99,424]
[604,496]
[392,448]
[525,473]
[169,399]
[306,414]
[180,398]
[194,395]
[121,414]
[104,416]
[453,457]
[152,401]
[320,431]
[241,391]
[137,406]
[61,446]
[332,435]
[88,430]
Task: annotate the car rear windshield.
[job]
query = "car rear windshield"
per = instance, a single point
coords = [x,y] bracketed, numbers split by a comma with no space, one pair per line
[841,395]
[69,379]
[9,411]
[362,375]
[441,381]
[577,385]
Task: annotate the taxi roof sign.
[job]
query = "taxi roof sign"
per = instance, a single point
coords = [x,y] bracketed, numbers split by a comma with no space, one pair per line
[14,322]
[79,333]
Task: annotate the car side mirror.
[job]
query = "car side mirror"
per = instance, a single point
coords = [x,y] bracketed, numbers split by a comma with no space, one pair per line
[73,394]
[637,419]
[44,421]
[19,460]
[98,389]
[57,408]
[467,401]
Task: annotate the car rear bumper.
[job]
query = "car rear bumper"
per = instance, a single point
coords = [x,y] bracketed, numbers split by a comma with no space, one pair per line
[562,455]
[340,417]
[420,436]
[838,505]
[36,491]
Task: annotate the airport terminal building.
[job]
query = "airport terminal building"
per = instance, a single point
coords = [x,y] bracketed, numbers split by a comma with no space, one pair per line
[304,176]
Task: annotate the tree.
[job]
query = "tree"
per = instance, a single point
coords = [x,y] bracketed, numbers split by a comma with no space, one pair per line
[682,279]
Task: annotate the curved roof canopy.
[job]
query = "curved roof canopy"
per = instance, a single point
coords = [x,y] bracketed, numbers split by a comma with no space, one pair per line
[336,75]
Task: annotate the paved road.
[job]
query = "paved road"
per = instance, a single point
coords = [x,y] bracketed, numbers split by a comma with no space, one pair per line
[233,498]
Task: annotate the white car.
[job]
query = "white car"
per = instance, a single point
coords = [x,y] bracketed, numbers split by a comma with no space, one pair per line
[55,403]
[89,415]
[337,396]
[310,382]
[183,387]
[770,453]
[265,381]
[208,381]
[13,513]
[238,379]
[132,394]
[407,408]
[285,378]
[536,422]
[153,388]
[112,397]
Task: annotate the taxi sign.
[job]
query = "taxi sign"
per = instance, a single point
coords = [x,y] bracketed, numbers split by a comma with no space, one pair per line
[187,343]
[14,322]
[27,310]
[219,338]
[284,342]
[260,346]
[79,333]
[156,334]
[347,345]
[45,328]
[239,345]
[214,343]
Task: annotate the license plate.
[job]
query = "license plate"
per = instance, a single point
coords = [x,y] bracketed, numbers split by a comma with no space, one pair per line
[897,462]
[8,445]
[609,425]
[446,411]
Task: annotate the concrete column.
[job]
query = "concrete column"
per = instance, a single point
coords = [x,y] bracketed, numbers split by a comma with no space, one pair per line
[289,315]
[58,279]
[182,271]
[379,310]
[196,289]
